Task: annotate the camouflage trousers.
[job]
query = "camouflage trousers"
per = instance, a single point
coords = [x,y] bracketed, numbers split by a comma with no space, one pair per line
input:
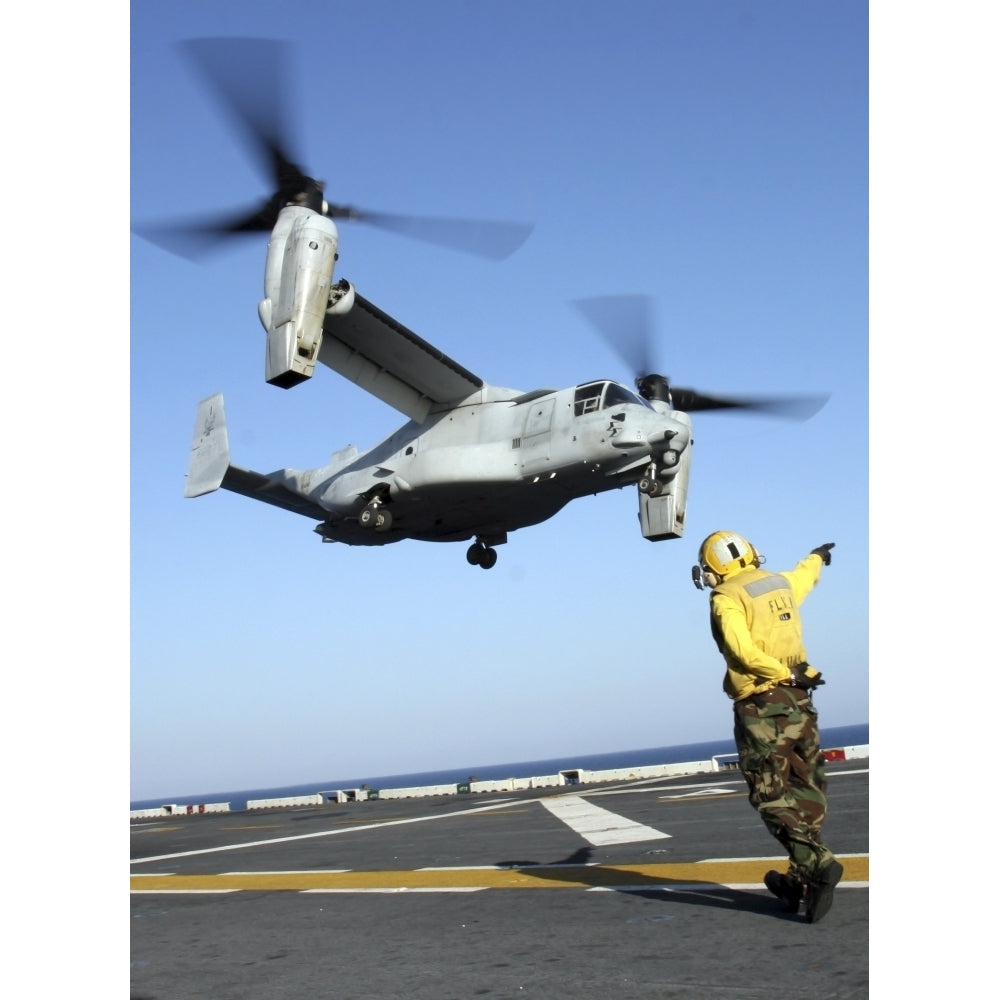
[777,737]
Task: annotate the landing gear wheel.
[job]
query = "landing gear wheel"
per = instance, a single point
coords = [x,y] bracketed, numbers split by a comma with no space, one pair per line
[375,516]
[481,555]
[650,486]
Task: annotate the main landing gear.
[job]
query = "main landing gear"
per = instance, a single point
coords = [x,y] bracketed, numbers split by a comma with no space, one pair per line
[481,554]
[376,516]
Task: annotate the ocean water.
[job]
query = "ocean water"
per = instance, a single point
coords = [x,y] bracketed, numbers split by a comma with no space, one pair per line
[833,737]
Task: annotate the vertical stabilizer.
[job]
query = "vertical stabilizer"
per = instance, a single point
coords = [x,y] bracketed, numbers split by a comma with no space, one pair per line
[209,449]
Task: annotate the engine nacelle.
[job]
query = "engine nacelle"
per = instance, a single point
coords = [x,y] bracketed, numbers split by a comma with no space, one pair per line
[301,257]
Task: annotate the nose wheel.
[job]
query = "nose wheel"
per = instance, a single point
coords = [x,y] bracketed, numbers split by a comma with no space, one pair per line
[482,555]
[650,486]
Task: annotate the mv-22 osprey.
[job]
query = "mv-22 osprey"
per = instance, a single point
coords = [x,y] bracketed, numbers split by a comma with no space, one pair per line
[475,461]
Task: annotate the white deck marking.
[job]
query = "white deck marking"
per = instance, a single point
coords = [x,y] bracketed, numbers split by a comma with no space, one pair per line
[326,833]
[600,827]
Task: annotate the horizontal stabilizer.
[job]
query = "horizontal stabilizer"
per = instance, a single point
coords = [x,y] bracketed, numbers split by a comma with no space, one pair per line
[268,489]
[209,449]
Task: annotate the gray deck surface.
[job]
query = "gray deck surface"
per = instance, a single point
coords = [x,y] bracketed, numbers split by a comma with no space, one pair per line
[496,896]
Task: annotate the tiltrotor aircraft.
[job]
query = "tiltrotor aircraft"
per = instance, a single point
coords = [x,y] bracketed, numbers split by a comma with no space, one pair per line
[475,461]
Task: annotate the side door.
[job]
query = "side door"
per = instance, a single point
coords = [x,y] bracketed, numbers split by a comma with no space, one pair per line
[537,436]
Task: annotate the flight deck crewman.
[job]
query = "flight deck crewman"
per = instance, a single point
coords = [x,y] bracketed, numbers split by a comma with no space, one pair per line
[756,625]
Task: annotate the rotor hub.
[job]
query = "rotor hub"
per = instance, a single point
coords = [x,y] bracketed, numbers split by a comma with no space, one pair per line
[654,387]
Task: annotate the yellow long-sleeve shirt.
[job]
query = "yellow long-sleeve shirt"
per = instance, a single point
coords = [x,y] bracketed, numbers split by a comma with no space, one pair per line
[756,625]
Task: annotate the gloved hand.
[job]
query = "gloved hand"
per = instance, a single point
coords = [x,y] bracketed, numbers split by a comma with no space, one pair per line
[804,676]
[823,551]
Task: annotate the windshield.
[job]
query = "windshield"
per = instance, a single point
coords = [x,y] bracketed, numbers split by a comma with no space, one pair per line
[600,395]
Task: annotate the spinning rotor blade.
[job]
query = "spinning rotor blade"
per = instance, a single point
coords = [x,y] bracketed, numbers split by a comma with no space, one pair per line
[250,78]
[197,238]
[496,240]
[625,322]
[789,407]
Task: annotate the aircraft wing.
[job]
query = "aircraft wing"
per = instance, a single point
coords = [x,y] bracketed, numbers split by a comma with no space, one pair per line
[391,362]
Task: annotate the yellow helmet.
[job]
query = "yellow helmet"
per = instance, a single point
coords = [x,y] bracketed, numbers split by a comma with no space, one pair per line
[722,554]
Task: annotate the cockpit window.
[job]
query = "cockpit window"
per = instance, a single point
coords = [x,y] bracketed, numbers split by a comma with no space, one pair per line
[588,398]
[617,394]
[600,395]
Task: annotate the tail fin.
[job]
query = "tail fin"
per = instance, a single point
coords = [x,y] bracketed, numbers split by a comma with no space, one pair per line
[209,461]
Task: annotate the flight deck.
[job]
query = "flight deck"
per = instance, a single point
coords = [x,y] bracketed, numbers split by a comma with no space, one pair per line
[649,888]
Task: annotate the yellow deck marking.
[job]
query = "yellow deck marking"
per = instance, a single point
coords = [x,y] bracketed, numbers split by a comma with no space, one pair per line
[741,873]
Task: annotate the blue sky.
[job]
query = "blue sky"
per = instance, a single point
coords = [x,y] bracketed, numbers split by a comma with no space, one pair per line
[713,156]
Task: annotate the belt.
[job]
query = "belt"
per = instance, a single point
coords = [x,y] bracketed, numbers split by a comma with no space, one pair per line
[763,697]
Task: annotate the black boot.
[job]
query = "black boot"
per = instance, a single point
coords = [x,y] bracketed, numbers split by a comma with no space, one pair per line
[787,890]
[819,898]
